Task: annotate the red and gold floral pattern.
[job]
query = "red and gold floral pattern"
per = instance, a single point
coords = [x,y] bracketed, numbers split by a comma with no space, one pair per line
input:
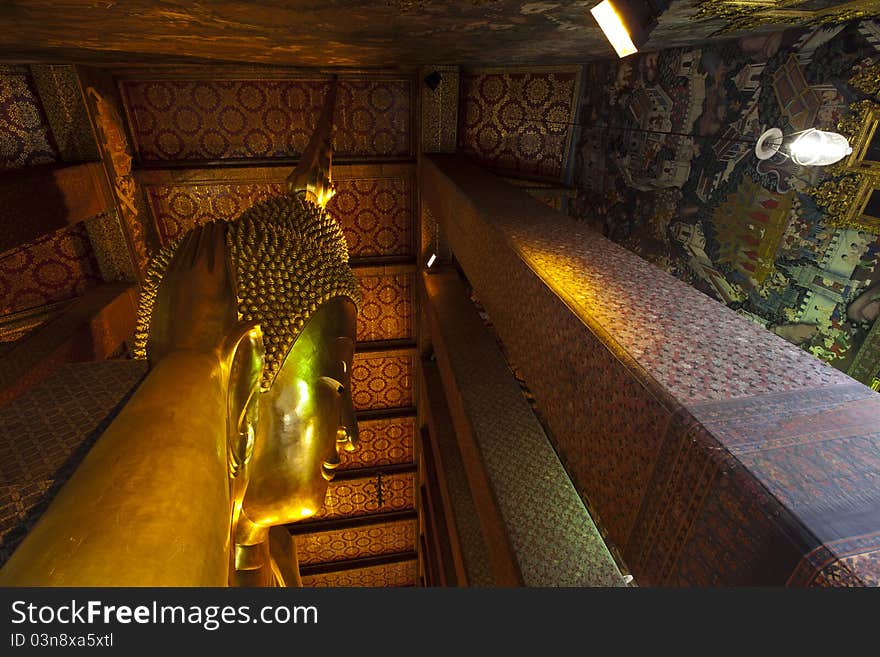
[518,122]
[386,307]
[381,381]
[356,542]
[53,268]
[187,120]
[375,214]
[404,573]
[347,498]
[381,442]
[177,208]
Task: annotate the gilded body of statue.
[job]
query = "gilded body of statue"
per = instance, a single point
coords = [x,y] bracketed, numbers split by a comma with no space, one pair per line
[249,328]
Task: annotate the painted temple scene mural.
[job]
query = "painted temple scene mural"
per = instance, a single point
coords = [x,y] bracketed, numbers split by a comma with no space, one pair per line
[421,293]
[673,136]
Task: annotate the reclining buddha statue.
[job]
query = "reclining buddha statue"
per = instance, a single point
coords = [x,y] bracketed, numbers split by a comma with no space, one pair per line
[249,330]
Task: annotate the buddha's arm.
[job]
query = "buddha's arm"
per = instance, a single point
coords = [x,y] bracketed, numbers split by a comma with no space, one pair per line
[149,505]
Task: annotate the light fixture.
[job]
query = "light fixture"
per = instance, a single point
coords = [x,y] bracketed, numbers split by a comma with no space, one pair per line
[431,260]
[809,147]
[615,31]
[627,23]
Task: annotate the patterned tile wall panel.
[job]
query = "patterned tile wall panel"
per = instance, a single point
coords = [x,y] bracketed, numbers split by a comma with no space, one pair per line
[237,119]
[381,442]
[399,574]
[382,381]
[25,139]
[53,268]
[387,306]
[177,208]
[348,498]
[375,214]
[45,432]
[518,122]
[357,542]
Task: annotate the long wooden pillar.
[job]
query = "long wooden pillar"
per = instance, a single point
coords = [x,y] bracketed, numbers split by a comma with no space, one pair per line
[711,451]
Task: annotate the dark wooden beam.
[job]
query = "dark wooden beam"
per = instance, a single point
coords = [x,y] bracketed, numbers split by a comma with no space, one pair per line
[362,473]
[37,201]
[318,526]
[92,327]
[406,263]
[352,564]
[380,347]
[385,413]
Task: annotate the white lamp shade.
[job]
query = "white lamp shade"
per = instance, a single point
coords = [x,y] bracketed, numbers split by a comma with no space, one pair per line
[819,148]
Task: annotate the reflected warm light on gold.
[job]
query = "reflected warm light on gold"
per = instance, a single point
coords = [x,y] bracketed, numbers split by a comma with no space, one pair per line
[238,423]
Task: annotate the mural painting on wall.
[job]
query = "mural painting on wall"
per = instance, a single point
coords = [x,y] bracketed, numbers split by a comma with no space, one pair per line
[672,134]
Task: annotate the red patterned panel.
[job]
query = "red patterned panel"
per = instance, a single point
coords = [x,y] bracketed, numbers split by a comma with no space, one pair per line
[176,120]
[53,268]
[386,308]
[381,381]
[356,542]
[178,208]
[518,122]
[376,215]
[347,498]
[381,442]
[396,574]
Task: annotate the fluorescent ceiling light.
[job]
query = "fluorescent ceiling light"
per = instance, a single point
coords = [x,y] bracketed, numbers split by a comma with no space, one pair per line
[613,27]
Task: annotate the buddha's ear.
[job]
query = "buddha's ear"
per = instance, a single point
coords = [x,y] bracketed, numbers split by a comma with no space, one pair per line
[244,354]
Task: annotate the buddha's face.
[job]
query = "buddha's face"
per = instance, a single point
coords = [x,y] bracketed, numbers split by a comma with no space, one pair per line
[305,419]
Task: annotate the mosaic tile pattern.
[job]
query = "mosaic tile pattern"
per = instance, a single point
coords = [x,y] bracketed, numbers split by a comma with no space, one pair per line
[375,213]
[552,536]
[52,268]
[706,514]
[46,432]
[24,131]
[381,442]
[399,574]
[357,542]
[177,208]
[381,381]
[439,110]
[386,307]
[358,497]
[175,120]
[518,122]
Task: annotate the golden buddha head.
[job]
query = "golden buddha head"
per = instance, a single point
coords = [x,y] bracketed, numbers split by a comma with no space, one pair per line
[288,358]
[294,280]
